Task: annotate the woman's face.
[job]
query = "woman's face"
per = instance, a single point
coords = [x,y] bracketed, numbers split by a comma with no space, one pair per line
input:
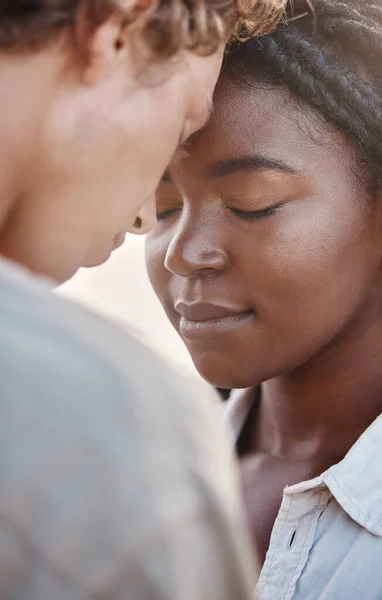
[268,248]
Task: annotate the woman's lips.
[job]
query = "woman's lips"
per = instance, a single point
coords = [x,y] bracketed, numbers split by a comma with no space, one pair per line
[208,320]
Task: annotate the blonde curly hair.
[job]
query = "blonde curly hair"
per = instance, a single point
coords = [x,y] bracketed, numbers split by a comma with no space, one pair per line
[169,25]
[202,25]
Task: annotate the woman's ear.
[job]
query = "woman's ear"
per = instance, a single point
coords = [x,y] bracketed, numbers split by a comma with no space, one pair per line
[106,45]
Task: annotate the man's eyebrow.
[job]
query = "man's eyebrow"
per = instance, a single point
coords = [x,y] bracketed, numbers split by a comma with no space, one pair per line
[255,162]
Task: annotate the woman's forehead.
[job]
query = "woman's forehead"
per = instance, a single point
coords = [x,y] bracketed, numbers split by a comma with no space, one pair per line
[261,121]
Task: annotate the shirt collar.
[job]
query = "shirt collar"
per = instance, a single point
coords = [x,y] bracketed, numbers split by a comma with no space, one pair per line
[236,411]
[355,482]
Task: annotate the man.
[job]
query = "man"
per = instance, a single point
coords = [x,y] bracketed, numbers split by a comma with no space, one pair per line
[96,95]
[115,482]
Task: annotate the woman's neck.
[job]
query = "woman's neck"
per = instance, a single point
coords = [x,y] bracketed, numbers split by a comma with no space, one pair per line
[323,407]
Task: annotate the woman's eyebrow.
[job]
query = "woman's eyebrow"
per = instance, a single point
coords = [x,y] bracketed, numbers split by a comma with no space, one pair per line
[255,162]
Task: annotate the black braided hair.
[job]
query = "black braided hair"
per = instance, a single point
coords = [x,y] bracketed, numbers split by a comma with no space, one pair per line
[331,58]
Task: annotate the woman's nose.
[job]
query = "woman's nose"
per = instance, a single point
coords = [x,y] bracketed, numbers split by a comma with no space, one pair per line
[196,250]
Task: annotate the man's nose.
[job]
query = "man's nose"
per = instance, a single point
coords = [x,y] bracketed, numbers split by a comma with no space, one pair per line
[146,218]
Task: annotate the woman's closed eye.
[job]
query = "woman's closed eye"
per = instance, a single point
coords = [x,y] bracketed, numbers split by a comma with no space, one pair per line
[167,212]
[256,214]
[168,204]
[168,200]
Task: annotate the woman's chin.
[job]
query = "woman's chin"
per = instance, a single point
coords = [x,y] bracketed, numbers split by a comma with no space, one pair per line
[221,377]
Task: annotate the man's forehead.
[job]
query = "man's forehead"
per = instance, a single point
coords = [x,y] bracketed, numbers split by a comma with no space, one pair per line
[182,151]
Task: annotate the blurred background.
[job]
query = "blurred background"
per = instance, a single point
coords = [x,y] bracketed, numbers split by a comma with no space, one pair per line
[120,289]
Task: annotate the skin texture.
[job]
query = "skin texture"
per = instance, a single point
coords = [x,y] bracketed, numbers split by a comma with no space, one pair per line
[77,167]
[305,278]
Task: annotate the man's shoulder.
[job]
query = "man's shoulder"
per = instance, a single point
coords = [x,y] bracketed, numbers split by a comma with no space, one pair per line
[64,369]
[113,463]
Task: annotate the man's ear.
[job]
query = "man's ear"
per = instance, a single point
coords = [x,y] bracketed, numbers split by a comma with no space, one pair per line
[107,44]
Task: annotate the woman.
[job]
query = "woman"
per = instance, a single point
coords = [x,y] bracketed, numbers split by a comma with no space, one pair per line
[268,261]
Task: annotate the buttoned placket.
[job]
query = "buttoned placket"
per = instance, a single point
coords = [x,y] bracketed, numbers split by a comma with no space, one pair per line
[291,540]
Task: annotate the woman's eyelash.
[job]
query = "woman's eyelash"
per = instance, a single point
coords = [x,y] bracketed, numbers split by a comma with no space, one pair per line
[257,214]
[242,214]
[166,213]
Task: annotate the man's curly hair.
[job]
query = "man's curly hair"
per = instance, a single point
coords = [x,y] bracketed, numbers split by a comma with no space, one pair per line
[170,25]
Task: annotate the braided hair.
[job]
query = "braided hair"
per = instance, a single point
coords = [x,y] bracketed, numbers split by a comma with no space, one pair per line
[329,54]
